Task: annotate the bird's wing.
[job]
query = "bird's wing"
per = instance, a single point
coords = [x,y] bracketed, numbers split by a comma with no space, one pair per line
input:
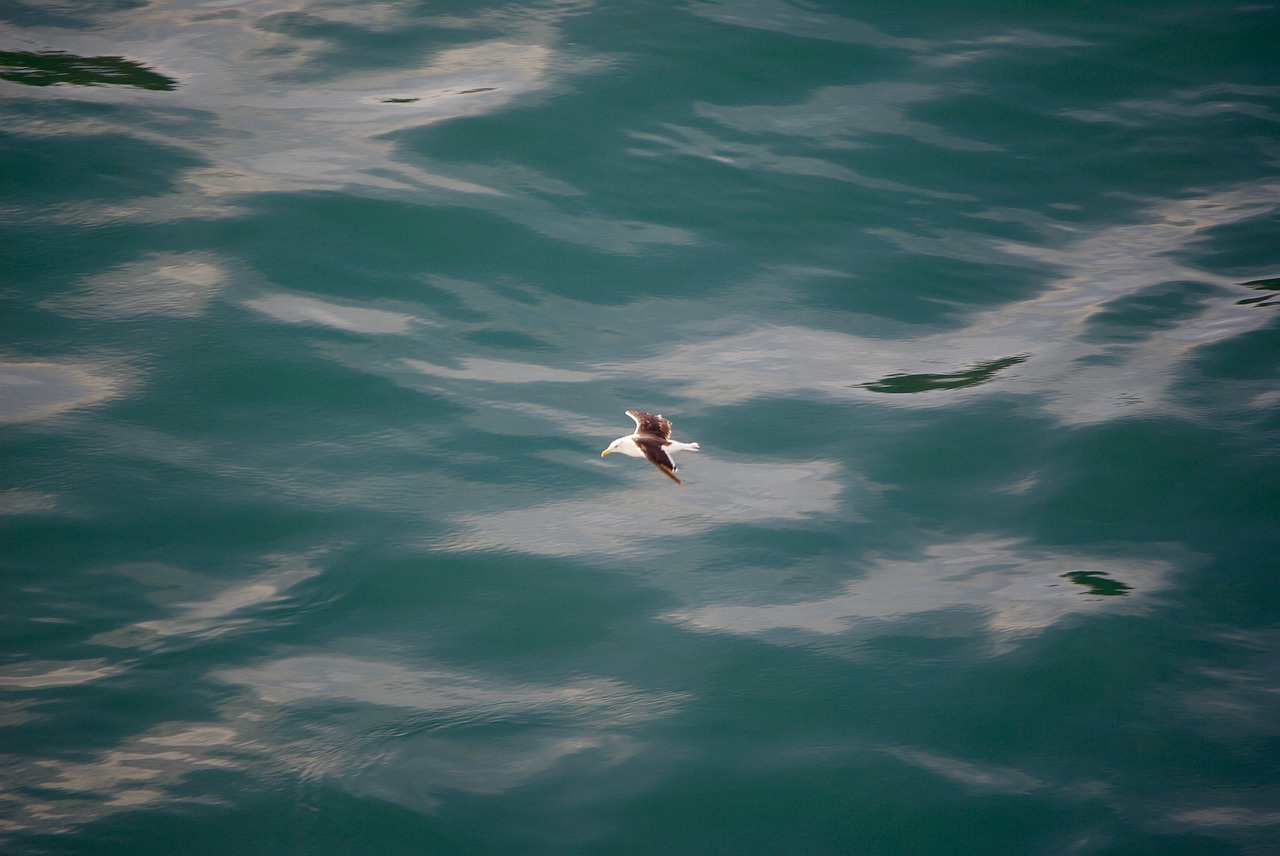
[649,424]
[657,455]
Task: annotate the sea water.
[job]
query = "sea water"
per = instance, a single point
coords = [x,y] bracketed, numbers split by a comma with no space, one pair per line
[317,315]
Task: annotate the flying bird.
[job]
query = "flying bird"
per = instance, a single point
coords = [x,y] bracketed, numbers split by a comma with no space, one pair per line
[652,441]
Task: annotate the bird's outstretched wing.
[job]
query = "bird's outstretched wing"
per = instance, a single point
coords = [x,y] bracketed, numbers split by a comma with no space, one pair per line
[656,454]
[647,423]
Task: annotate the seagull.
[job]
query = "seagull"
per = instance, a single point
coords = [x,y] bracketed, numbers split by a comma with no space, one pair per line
[652,440]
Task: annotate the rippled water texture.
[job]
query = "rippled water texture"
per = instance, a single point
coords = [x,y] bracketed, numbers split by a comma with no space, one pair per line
[317,316]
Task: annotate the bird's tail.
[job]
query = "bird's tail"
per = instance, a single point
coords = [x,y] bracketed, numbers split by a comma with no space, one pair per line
[690,447]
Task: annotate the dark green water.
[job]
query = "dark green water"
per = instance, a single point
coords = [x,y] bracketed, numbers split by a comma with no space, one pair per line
[317,316]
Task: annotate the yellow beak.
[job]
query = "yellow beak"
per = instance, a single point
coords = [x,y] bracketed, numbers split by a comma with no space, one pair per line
[605,452]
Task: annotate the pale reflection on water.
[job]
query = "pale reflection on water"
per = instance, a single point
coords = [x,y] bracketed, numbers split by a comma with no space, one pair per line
[173,285]
[655,515]
[400,733]
[449,694]
[685,140]
[423,729]
[1045,344]
[18,501]
[394,729]
[30,391]
[419,731]
[231,609]
[1230,816]
[971,775]
[249,136]
[1061,368]
[297,309]
[179,285]
[835,116]
[1002,590]
[41,674]
[266,121]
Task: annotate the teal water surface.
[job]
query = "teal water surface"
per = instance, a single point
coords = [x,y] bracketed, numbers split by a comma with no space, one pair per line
[317,316]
